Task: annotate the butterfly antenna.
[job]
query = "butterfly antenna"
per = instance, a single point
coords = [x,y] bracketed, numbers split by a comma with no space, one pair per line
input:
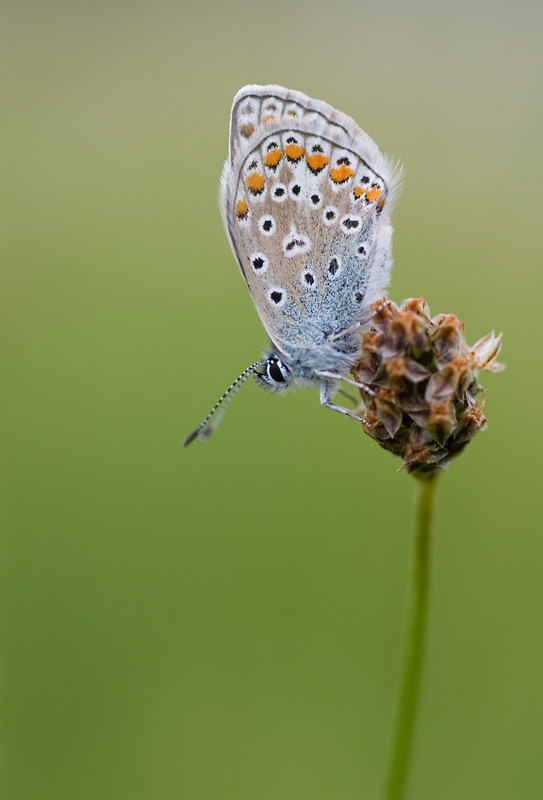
[228,396]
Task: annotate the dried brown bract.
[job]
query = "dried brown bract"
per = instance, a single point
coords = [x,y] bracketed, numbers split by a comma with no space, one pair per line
[422,383]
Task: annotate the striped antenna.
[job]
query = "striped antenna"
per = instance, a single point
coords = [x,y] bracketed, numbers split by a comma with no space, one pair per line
[228,396]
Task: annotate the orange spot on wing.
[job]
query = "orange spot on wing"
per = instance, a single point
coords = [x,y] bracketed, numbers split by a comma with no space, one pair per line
[317,161]
[255,182]
[272,158]
[294,151]
[242,208]
[268,118]
[358,191]
[373,194]
[341,173]
[381,203]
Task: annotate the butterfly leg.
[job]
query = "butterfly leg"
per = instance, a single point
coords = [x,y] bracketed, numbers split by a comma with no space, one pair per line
[349,396]
[327,393]
[358,406]
[336,377]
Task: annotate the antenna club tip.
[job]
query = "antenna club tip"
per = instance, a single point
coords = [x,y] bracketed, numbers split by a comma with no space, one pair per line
[191,438]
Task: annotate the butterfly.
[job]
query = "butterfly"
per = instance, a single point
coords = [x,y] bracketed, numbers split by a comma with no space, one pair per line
[305,197]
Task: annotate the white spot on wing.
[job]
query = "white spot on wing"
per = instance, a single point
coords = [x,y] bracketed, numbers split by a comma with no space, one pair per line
[296,243]
[259,263]
[267,225]
[276,296]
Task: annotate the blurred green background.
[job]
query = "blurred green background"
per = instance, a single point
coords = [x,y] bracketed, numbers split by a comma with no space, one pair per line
[225,621]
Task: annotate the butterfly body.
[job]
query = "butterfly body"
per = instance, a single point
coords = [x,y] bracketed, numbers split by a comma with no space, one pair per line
[305,199]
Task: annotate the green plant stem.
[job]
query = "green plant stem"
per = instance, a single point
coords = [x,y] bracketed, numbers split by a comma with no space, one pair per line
[415,626]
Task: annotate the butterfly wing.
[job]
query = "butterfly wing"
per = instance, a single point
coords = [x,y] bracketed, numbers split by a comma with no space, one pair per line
[305,198]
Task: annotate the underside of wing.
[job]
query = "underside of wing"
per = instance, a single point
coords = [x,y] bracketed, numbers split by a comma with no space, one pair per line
[305,197]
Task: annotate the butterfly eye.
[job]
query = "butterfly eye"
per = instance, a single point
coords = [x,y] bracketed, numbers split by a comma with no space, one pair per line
[274,371]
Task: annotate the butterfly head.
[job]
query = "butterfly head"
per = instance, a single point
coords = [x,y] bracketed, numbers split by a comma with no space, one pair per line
[273,374]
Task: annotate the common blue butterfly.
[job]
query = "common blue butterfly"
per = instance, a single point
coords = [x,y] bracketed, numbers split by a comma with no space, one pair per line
[305,198]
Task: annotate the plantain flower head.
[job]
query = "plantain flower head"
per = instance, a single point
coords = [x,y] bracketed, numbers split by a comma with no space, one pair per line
[421,376]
